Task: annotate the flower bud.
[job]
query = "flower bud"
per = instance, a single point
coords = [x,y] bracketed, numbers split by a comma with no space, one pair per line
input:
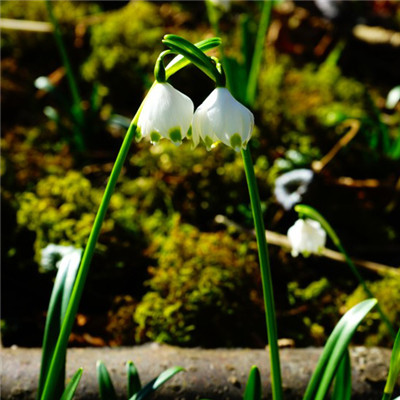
[306,237]
[222,118]
[166,113]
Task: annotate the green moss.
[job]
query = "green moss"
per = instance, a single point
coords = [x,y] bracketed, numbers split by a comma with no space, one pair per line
[387,291]
[21,43]
[203,282]
[127,40]
[61,210]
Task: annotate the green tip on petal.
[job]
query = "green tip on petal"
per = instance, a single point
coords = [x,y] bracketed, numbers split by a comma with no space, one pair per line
[189,132]
[208,142]
[236,141]
[175,135]
[154,137]
[138,134]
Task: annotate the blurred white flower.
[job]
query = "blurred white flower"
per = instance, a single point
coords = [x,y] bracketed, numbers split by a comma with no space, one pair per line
[306,237]
[53,255]
[291,186]
[222,118]
[166,113]
[223,4]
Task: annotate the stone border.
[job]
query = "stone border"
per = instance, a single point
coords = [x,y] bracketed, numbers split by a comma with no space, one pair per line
[214,374]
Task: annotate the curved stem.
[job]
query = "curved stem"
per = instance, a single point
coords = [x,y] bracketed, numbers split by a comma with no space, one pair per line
[304,210]
[366,289]
[276,379]
[58,359]
[59,352]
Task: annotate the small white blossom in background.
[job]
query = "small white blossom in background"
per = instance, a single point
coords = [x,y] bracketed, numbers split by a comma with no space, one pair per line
[307,237]
[222,118]
[166,113]
[222,4]
[291,186]
[53,255]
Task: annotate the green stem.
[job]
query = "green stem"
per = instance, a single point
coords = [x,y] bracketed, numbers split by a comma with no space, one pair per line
[57,362]
[366,289]
[265,276]
[304,210]
[258,52]
[59,352]
[386,396]
[76,98]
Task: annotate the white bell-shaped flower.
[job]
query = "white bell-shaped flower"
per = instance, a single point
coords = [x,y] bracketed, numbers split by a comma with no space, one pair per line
[222,118]
[306,237]
[166,113]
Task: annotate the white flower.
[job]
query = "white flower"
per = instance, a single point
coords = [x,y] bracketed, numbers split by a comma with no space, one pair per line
[53,255]
[222,118]
[306,237]
[166,113]
[291,186]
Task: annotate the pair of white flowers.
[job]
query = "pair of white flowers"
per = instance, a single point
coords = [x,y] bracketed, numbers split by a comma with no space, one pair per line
[168,113]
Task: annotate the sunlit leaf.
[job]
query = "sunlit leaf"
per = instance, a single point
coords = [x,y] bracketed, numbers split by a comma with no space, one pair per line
[334,350]
[253,387]
[153,385]
[106,387]
[134,384]
[72,386]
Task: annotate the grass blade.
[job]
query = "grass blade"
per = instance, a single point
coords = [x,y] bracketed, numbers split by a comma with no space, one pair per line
[72,386]
[253,387]
[106,387]
[342,388]
[334,350]
[153,385]
[134,384]
[71,264]
[258,52]
[394,368]
[59,299]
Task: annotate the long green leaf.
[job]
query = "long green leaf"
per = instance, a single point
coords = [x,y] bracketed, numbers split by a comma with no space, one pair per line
[394,368]
[59,299]
[334,350]
[134,384]
[342,388]
[253,389]
[106,387]
[72,386]
[153,385]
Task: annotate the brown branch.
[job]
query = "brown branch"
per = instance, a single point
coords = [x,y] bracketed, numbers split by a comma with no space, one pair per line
[277,239]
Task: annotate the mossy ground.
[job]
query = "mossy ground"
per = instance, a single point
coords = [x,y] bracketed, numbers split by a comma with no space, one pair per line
[163,268]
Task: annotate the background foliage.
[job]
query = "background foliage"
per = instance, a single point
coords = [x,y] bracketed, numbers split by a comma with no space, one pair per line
[164,268]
